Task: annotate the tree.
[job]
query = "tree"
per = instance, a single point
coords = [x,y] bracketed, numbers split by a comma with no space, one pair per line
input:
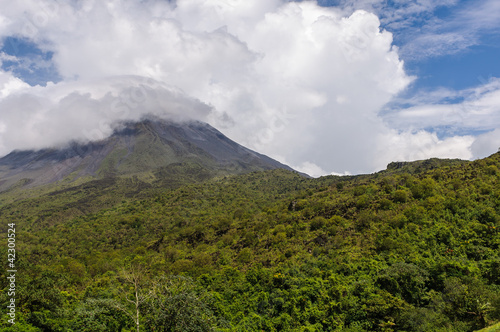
[135,292]
[177,305]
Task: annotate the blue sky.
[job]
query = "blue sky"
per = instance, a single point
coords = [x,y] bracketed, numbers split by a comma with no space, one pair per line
[28,62]
[458,71]
[466,66]
[333,86]
[458,66]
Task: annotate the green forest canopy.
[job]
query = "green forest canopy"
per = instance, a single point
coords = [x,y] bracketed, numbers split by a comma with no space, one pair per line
[412,248]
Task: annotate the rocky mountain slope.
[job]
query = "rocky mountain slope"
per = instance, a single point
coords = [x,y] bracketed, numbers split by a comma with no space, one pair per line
[140,149]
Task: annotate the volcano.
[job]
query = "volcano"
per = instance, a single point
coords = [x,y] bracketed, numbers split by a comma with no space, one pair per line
[149,150]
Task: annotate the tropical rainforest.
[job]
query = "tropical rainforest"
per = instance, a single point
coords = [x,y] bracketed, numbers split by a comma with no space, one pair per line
[412,248]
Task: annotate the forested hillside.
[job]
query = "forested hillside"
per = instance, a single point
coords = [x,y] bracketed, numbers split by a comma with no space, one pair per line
[412,248]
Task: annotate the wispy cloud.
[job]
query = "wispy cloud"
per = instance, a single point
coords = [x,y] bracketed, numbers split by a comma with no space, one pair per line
[399,14]
[454,33]
[422,32]
[448,113]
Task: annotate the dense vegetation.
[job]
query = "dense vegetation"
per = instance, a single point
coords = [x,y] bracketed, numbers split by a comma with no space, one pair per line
[412,248]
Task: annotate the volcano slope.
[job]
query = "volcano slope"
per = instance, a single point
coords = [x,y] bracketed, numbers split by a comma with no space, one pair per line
[411,248]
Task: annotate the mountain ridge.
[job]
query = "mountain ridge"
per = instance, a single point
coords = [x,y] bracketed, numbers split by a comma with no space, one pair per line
[134,149]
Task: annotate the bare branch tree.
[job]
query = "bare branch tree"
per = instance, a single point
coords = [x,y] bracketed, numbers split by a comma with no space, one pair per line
[135,290]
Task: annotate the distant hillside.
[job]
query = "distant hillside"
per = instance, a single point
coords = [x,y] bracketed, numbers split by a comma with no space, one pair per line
[422,165]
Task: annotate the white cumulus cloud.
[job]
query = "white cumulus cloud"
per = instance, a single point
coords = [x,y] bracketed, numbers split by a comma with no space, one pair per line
[299,82]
